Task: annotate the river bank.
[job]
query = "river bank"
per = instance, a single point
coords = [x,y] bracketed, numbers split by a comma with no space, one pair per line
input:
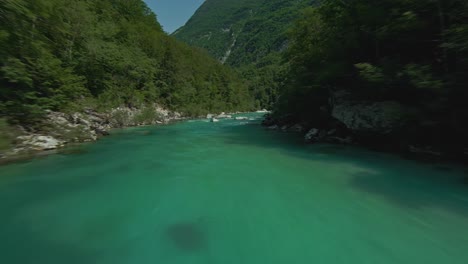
[383,126]
[58,130]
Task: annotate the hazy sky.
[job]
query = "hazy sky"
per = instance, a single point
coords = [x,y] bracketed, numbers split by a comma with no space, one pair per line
[173,14]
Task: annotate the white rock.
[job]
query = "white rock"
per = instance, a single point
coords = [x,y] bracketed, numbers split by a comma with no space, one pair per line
[224,116]
[214,120]
[39,142]
[241,118]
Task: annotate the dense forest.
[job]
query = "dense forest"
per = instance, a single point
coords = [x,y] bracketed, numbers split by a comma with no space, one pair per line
[291,56]
[296,55]
[249,36]
[414,52]
[68,55]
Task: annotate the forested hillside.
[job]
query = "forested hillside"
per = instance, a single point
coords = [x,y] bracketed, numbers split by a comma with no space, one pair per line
[248,35]
[323,62]
[410,53]
[66,55]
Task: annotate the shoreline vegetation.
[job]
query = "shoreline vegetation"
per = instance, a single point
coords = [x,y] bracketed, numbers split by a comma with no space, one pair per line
[338,72]
[60,130]
[387,74]
[70,70]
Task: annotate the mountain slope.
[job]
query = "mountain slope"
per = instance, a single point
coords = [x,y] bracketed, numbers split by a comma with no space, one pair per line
[248,35]
[241,32]
[57,55]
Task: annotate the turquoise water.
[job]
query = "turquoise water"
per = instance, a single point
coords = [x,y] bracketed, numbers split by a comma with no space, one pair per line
[230,192]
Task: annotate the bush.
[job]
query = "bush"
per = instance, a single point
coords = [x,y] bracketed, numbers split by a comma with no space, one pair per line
[6,135]
[147,115]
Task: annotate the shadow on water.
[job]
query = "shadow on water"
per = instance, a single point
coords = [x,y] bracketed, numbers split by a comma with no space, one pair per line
[15,197]
[405,183]
[416,191]
[36,249]
[186,236]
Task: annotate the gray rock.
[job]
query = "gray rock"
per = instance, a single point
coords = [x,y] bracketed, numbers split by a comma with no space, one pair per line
[424,150]
[61,128]
[274,127]
[214,120]
[296,128]
[78,118]
[100,131]
[312,135]
[331,132]
[380,117]
[340,140]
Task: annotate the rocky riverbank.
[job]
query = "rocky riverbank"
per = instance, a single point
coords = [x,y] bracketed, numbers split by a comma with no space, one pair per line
[385,125]
[58,129]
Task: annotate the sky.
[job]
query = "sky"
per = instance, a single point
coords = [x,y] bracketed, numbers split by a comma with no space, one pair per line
[173,14]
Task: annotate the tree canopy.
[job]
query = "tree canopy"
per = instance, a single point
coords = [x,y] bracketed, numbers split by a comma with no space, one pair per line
[63,55]
[410,51]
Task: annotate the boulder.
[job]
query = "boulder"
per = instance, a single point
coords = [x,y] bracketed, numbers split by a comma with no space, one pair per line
[223,115]
[77,118]
[312,136]
[370,117]
[214,120]
[331,132]
[39,142]
[296,128]
[426,150]
[339,140]
[100,131]
[269,121]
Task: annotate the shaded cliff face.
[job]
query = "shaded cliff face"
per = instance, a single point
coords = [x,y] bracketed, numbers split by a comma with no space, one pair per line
[243,31]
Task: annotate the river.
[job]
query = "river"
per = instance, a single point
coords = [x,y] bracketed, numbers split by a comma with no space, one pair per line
[230,192]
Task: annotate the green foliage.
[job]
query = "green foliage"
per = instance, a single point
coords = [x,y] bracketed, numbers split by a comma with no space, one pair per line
[61,55]
[411,51]
[6,135]
[147,115]
[421,76]
[370,72]
[248,35]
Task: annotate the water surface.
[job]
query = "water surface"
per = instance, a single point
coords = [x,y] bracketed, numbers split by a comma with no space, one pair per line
[230,192]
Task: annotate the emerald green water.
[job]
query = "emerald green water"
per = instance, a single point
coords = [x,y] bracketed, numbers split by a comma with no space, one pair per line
[230,192]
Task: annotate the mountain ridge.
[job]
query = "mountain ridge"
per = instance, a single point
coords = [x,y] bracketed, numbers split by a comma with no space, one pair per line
[249,36]
[241,32]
